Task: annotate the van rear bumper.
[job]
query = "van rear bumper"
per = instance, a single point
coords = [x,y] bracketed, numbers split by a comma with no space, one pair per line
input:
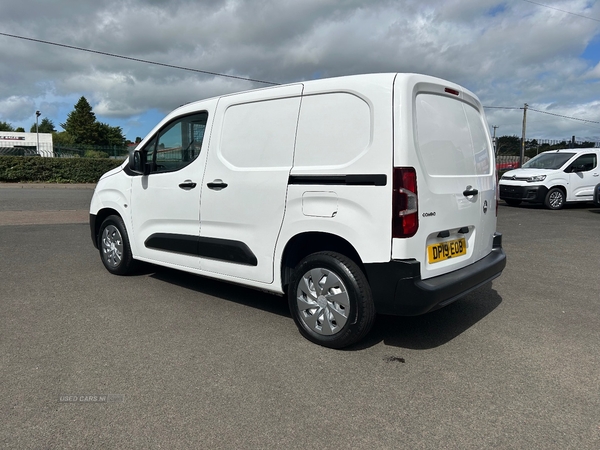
[398,289]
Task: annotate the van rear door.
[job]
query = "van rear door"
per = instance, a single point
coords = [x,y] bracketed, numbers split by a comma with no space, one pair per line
[443,134]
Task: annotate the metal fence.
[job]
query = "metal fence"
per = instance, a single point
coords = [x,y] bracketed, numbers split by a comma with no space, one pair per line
[48,150]
[566,143]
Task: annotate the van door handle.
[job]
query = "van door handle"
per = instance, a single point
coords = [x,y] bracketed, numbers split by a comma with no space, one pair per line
[468,192]
[217,185]
[187,185]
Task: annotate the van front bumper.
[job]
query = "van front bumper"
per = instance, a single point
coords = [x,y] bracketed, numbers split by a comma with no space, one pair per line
[533,194]
[398,289]
[93,229]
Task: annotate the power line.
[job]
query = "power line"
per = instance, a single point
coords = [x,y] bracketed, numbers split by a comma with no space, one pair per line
[562,10]
[543,112]
[172,66]
[564,117]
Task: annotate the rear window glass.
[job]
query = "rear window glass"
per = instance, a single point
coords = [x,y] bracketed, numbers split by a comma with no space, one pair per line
[451,137]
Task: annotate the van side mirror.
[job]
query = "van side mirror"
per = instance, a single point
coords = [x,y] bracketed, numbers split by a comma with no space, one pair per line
[137,163]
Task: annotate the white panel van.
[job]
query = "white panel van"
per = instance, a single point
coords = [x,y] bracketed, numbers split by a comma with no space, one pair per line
[352,196]
[553,178]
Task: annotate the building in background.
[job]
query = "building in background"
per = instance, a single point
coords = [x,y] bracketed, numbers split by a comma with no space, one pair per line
[17,143]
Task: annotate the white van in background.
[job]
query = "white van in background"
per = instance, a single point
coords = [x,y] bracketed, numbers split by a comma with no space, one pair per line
[553,178]
[354,196]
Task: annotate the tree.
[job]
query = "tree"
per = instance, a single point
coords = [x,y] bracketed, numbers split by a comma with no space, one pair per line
[5,126]
[82,128]
[62,138]
[509,145]
[45,126]
[20,130]
[110,136]
[81,124]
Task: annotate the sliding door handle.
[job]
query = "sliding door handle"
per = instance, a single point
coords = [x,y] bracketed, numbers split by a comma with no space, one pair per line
[217,185]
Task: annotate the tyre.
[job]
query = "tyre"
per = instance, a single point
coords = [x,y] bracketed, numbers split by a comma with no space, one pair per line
[114,247]
[555,199]
[330,300]
[513,202]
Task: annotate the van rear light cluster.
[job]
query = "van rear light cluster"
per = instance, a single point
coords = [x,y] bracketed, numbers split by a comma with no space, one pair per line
[405,219]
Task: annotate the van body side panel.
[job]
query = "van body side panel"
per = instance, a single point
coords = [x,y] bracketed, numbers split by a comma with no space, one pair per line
[341,179]
[162,209]
[581,184]
[244,193]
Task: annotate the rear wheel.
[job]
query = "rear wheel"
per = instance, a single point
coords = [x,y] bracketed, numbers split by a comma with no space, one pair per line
[330,300]
[513,202]
[555,199]
[114,247]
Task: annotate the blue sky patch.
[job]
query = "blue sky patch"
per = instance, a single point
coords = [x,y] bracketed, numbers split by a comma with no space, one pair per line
[497,10]
[592,51]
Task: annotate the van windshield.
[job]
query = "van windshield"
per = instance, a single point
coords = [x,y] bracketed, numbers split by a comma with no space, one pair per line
[548,161]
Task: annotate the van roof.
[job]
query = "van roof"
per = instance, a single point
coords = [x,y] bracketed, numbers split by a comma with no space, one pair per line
[347,81]
[573,150]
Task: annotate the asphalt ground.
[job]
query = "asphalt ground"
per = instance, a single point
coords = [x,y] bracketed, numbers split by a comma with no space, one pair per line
[187,362]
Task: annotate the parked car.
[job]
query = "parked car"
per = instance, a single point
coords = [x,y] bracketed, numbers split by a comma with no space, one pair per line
[553,178]
[597,195]
[353,196]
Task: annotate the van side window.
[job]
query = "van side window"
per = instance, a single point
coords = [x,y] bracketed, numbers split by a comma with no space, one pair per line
[584,163]
[178,144]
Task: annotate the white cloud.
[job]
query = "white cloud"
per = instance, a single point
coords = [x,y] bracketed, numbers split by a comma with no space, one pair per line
[508,52]
[19,108]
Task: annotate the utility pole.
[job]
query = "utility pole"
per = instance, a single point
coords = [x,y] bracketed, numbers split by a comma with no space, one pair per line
[37,133]
[495,142]
[522,156]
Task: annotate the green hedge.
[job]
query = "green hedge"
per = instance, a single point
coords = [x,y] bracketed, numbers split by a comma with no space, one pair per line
[15,169]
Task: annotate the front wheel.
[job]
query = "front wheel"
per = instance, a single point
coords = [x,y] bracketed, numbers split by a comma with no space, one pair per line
[330,300]
[555,199]
[114,247]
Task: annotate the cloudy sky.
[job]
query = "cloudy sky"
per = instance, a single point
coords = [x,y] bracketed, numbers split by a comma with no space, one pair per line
[545,53]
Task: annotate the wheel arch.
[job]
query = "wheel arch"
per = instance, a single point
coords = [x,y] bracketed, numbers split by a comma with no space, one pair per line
[561,187]
[101,215]
[304,244]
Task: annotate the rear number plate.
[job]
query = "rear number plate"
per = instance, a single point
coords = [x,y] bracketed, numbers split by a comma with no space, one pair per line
[446,250]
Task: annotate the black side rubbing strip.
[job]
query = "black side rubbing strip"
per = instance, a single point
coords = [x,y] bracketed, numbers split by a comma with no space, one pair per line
[175,243]
[348,180]
[226,250]
[221,249]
